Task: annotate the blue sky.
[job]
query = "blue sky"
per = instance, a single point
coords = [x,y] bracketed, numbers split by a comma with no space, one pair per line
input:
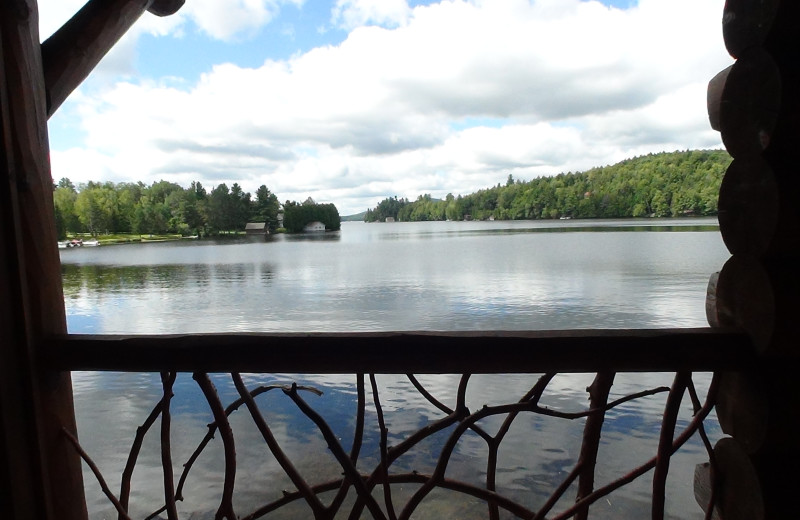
[350,101]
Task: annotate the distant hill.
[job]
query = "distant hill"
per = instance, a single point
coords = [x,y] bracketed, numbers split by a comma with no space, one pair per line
[669,184]
[358,217]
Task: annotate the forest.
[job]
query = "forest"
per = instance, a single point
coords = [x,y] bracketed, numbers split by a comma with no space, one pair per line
[670,184]
[168,208]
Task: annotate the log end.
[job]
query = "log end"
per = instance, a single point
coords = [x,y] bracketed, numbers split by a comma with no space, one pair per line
[745,24]
[739,490]
[745,299]
[743,410]
[749,204]
[165,7]
[748,104]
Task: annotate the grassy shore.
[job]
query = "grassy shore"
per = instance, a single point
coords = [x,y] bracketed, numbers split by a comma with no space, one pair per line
[131,238]
[126,238]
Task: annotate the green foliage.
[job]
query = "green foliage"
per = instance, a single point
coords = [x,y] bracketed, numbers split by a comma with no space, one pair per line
[265,208]
[96,207]
[297,216]
[64,197]
[657,185]
[162,208]
[389,207]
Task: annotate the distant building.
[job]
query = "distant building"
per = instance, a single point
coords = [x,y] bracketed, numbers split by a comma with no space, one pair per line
[389,219]
[314,227]
[256,228]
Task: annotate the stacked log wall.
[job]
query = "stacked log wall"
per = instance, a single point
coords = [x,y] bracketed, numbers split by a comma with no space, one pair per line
[756,107]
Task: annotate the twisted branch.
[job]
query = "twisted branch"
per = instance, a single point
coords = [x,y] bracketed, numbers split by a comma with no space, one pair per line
[587,460]
[99,476]
[350,470]
[690,430]
[167,380]
[225,509]
[133,455]
[671,410]
[384,465]
[311,498]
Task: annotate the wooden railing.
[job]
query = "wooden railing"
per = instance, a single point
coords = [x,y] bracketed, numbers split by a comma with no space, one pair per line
[592,350]
[380,489]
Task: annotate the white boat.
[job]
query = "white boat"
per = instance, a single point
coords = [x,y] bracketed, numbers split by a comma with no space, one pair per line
[77,242]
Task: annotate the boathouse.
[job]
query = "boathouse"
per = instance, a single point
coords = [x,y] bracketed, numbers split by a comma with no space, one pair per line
[751,344]
[256,228]
[314,227]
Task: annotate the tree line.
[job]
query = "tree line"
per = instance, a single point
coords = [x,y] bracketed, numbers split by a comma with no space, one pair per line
[669,184]
[161,208]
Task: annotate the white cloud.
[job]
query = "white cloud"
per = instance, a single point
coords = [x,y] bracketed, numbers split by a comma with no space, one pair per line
[230,19]
[349,14]
[221,20]
[565,85]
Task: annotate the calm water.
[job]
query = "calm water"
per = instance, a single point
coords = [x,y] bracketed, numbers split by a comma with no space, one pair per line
[404,276]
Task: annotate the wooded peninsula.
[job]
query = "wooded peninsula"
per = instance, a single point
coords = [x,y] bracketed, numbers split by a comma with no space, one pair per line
[673,184]
[168,208]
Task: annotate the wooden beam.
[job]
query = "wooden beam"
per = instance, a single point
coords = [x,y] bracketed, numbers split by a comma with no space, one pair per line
[72,52]
[21,466]
[409,352]
[35,299]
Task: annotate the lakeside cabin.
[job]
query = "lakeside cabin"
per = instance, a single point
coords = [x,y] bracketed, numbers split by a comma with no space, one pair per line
[256,228]
[314,227]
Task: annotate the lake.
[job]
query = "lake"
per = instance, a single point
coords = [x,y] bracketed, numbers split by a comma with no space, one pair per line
[564,274]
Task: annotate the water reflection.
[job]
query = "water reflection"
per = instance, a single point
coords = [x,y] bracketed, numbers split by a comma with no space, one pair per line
[328,236]
[467,281]
[426,276]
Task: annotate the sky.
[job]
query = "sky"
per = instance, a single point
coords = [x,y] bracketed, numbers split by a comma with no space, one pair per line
[353,101]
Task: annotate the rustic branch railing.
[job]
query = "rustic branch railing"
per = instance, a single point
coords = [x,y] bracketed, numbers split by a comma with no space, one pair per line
[375,485]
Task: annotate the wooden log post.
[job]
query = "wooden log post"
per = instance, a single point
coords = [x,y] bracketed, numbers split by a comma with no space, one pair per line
[37,302]
[756,107]
[41,473]
[21,464]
